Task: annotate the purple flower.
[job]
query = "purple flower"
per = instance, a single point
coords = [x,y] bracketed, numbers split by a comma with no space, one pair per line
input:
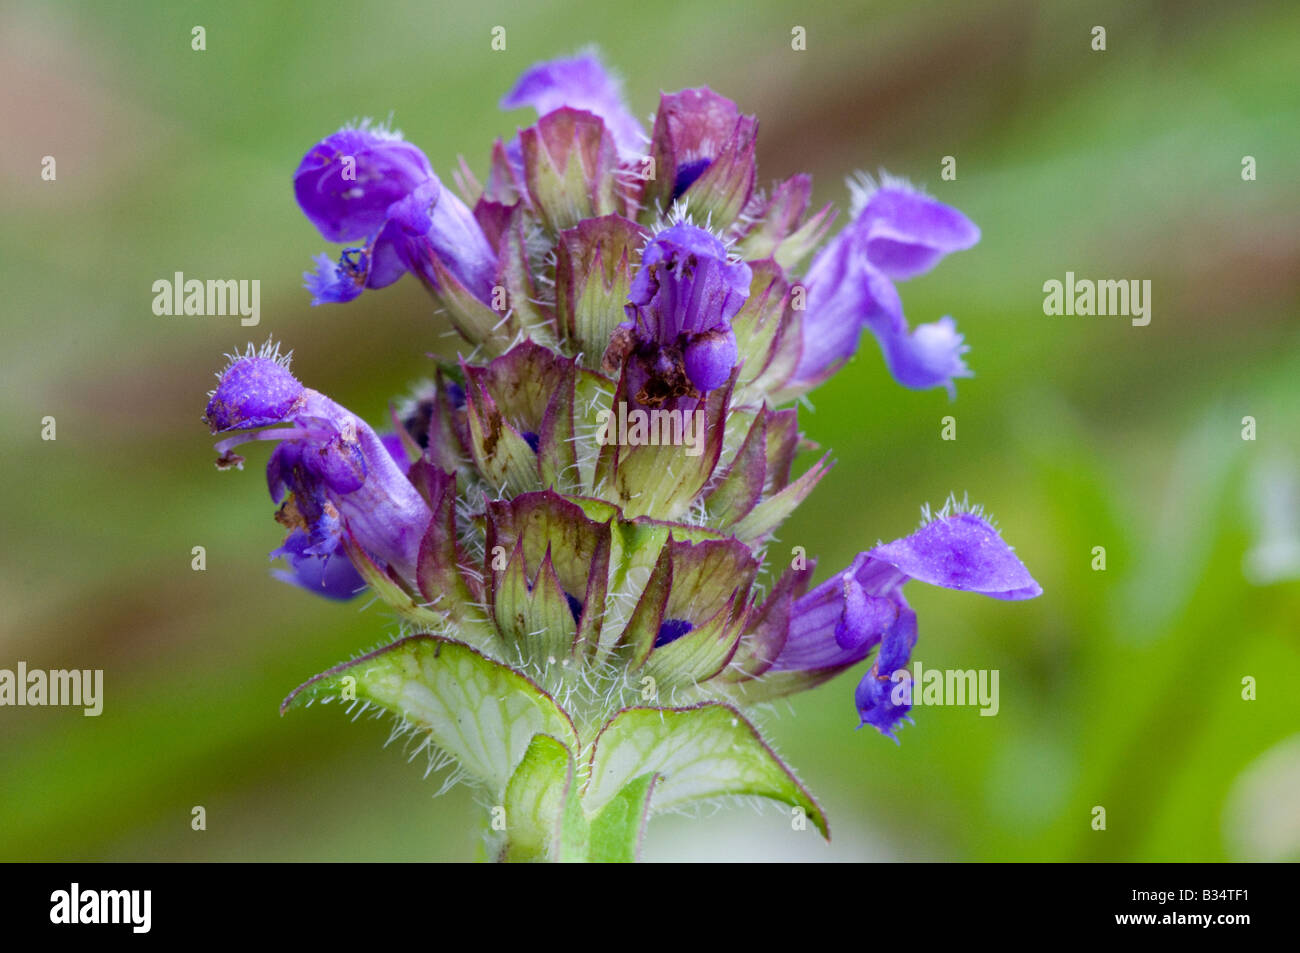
[579,83]
[346,183]
[368,185]
[337,478]
[679,311]
[838,623]
[897,233]
[327,575]
[323,574]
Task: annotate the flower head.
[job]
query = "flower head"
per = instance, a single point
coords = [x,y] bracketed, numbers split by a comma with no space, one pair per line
[572,518]
[346,183]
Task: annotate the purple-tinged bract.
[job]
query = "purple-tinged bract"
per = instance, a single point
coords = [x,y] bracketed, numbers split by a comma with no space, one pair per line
[580,82]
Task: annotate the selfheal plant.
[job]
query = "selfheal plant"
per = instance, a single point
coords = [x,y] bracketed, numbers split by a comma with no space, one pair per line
[587,623]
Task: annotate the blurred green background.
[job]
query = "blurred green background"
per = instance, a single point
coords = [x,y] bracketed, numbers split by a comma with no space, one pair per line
[1120,688]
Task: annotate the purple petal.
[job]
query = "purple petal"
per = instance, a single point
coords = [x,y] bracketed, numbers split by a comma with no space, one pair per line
[710,357]
[411,212]
[254,391]
[930,356]
[385,260]
[456,238]
[961,552]
[347,181]
[863,618]
[339,475]
[335,282]
[882,703]
[882,698]
[430,222]
[331,576]
[899,233]
[844,294]
[579,83]
[838,623]
[826,632]
[680,306]
[904,232]
[339,462]
[671,630]
[397,450]
[687,173]
[898,641]
[686,284]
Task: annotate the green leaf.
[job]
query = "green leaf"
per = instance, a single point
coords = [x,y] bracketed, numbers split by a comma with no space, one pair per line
[706,751]
[544,818]
[476,710]
[616,832]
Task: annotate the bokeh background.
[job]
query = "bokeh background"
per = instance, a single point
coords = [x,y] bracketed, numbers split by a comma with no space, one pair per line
[1120,688]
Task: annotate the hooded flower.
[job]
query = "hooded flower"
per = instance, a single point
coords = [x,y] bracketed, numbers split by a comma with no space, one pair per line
[897,233]
[679,313]
[323,574]
[838,623]
[337,479]
[368,185]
